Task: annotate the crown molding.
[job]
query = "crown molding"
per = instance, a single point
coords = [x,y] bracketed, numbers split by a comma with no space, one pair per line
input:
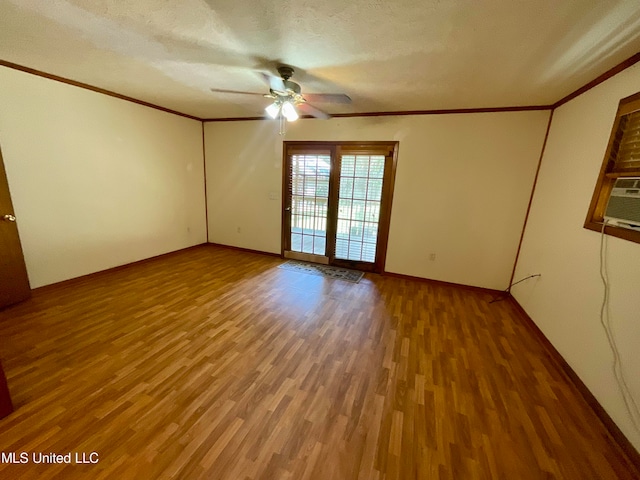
[629,62]
[86,86]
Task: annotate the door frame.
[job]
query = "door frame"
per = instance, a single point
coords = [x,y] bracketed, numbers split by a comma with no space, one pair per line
[385,206]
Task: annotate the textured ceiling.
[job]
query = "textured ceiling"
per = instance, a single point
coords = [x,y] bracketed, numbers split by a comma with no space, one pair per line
[387,55]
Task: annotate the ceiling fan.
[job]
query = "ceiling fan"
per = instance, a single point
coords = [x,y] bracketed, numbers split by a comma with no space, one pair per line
[288,99]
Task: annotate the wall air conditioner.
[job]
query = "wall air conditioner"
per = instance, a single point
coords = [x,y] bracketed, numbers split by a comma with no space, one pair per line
[623,208]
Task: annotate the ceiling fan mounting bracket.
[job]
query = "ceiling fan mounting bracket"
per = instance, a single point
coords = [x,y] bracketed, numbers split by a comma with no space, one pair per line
[285,72]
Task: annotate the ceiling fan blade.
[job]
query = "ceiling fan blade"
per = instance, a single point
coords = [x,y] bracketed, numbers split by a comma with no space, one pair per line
[313,111]
[327,97]
[221,90]
[275,83]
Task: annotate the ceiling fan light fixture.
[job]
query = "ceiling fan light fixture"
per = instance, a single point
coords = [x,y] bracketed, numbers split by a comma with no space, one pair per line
[273,110]
[289,111]
[286,96]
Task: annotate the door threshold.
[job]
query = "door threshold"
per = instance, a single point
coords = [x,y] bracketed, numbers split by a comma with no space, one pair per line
[307,257]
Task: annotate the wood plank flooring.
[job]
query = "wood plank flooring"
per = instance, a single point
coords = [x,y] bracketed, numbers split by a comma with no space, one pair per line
[215,364]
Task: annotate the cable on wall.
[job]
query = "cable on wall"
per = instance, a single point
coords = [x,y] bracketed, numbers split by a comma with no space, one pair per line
[505,293]
[605,321]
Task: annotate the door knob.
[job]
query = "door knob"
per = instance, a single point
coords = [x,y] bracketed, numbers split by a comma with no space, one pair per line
[9,218]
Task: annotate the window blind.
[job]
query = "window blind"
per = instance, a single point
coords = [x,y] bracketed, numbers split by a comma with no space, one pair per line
[626,146]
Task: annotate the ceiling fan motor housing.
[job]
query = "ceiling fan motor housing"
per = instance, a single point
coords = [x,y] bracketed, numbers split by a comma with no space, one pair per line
[292,86]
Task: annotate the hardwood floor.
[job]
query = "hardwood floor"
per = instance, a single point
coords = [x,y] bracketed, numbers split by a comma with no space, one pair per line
[215,364]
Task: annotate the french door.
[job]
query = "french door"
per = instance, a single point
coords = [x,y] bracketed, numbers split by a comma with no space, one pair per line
[337,202]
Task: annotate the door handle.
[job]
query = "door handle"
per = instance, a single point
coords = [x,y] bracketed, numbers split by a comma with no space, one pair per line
[287,209]
[9,218]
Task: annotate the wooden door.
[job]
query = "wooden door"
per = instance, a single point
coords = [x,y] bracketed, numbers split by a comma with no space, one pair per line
[6,406]
[14,283]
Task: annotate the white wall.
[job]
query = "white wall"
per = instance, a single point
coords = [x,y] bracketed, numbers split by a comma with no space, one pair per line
[565,302]
[96,181]
[462,187]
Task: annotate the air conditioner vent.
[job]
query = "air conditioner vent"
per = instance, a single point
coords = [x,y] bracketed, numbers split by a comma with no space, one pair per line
[623,208]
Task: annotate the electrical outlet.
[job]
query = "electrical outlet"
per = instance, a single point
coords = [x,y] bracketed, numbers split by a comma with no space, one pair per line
[239,230]
[432,257]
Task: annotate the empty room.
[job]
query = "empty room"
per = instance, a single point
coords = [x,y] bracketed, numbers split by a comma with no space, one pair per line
[320,240]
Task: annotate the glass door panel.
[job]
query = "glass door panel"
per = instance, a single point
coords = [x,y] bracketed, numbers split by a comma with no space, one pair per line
[359,201]
[309,202]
